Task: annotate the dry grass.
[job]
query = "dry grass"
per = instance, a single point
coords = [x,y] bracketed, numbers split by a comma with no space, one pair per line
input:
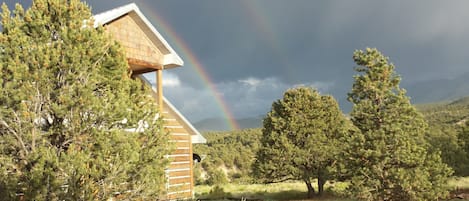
[459,183]
[291,191]
[276,191]
[460,189]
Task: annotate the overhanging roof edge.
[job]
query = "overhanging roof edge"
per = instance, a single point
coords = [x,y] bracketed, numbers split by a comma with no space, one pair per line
[171,60]
[196,136]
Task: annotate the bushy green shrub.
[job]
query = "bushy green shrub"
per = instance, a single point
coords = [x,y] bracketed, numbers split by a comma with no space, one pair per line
[216,177]
[67,101]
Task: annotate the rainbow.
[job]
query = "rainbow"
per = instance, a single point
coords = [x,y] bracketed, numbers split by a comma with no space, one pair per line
[191,60]
[259,17]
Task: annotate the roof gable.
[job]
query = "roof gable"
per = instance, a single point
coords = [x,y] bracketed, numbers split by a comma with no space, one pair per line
[170,58]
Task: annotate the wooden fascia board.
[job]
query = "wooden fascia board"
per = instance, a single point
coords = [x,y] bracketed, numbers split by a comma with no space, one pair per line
[172,59]
[195,134]
[143,71]
[145,64]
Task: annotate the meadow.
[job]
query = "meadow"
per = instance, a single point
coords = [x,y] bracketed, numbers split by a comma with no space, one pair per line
[230,156]
[297,191]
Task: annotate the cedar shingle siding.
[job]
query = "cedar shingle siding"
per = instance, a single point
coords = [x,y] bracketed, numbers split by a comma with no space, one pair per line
[138,47]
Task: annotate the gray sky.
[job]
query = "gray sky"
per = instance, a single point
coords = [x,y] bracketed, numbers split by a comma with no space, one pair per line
[254,50]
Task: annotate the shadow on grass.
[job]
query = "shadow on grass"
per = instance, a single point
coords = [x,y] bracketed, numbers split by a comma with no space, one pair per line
[460,194]
[281,195]
[217,193]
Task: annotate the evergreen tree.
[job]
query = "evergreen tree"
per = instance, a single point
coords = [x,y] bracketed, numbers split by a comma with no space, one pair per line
[234,150]
[445,138]
[301,139]
[389,158]
[67,104]
[446,119]
[463,157]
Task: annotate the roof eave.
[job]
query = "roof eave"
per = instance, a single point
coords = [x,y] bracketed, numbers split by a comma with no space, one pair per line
[196,137]
[199,138]
[170,60]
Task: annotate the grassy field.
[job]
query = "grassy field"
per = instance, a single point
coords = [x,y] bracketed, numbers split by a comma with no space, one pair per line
[289,191]
[277,191]
[459,183]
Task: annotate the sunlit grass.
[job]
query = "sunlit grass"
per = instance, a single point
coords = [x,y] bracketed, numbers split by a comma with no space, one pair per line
[459,183]
[292,190]
[275,191]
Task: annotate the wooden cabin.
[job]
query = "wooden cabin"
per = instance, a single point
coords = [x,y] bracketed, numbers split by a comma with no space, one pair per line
[147,51]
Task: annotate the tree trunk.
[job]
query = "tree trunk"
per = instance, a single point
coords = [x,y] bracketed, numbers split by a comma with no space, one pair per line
[310,188]
[321,182]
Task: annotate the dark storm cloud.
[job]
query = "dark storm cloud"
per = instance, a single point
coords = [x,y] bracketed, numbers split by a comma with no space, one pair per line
[287,43]
[424,39]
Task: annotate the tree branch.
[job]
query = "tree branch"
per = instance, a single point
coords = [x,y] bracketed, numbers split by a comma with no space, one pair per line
[20,140]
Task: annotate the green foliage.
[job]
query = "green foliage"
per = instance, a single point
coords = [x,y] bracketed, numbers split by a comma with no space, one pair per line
[447,122]
[66,100]
[449,140]
[216,193]
[273,191]
[216,177]
[389,159]
[301,140]
[233,150]
[463,140]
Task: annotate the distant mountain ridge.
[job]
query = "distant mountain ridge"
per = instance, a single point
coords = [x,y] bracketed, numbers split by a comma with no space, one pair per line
[439,90]
[218,124]
[433,92]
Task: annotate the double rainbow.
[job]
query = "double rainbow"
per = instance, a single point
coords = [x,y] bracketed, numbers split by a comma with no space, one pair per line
[191,60]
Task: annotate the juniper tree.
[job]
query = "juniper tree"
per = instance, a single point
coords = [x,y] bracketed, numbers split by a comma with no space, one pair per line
[67,106]
[463,157]
[301,139]
[389,158]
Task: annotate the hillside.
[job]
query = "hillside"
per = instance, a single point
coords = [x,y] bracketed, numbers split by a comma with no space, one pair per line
[446,122]
[446,112]
[439,90]
[229,154]
[218,124]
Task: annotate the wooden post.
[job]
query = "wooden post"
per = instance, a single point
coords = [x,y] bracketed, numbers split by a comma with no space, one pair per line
[159,89]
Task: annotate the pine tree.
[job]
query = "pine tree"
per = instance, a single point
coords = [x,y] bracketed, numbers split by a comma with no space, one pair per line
[301,139]
[67,104]
[389,158]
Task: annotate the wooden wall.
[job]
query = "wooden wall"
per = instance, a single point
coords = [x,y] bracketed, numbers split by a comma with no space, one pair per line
[140,50]
[179,173]
[142,53]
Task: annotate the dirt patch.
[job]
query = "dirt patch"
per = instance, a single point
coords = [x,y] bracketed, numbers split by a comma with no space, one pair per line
[462,194]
